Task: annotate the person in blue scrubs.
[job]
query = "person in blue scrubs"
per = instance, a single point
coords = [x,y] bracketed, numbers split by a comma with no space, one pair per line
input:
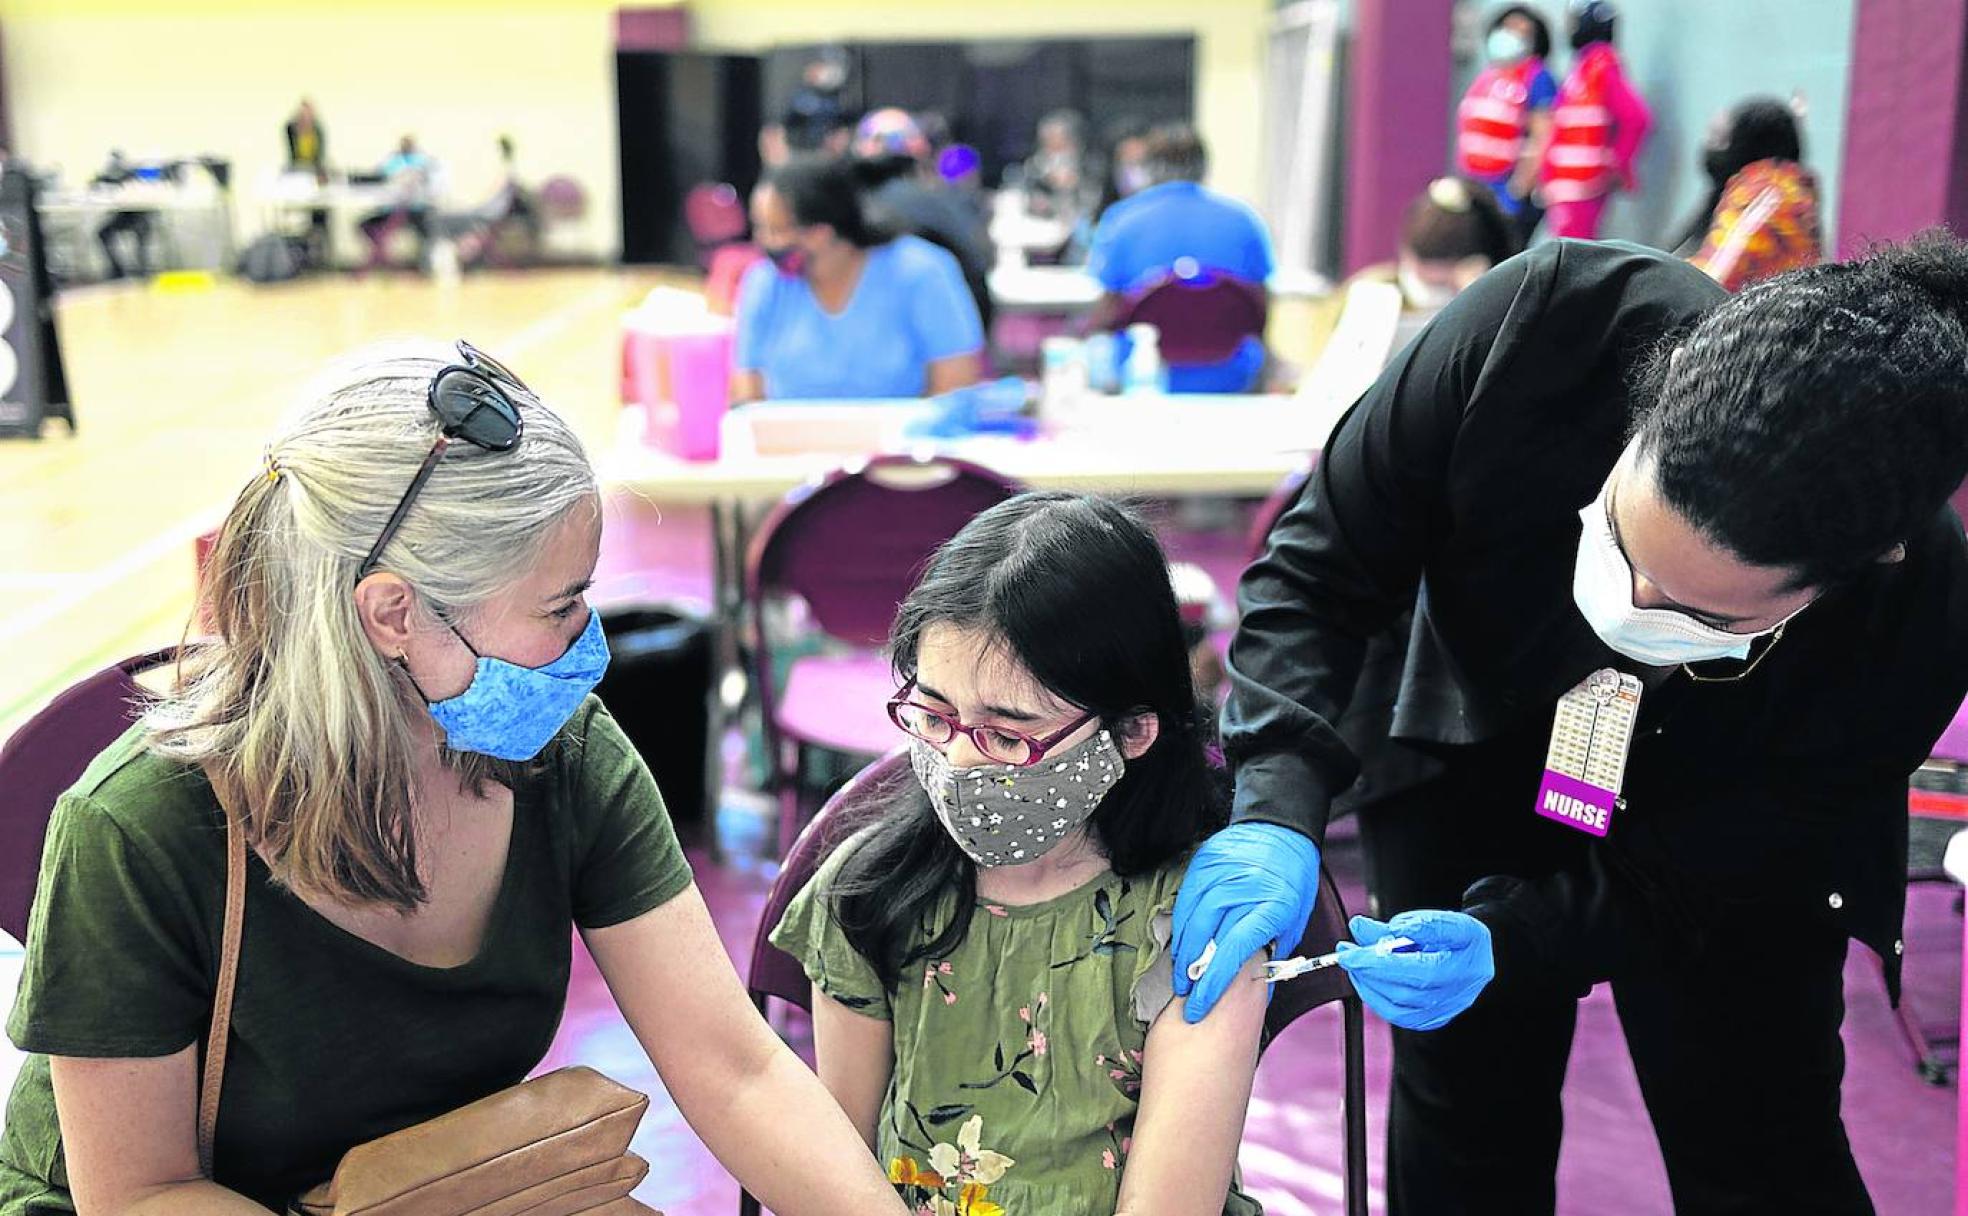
[1176,226]
[844,309]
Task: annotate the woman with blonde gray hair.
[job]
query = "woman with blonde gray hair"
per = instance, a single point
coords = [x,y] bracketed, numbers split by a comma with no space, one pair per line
[397,712]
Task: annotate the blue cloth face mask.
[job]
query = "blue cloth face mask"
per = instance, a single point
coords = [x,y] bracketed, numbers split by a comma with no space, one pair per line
[511,712]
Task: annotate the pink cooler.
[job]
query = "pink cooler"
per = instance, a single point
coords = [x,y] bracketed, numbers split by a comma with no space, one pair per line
[682,379]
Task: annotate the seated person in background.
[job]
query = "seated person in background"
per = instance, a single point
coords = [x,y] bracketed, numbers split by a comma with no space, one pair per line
[992,999]
[408,174]
[1058,178]
[1122,171]
[505,226]
[307,143]
[1454,232]
[905,193]
[844,308]
[1761,214]
[1175,225]
[137,223]
[1124,168]
[816,120]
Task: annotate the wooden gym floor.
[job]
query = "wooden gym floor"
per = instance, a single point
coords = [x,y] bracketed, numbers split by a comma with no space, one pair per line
[175,394]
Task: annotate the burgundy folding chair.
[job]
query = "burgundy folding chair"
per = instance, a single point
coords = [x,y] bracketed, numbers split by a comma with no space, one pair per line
[714,215]
[1202,317]
[46,756]
[774,973]
[1281,499]
[850,547]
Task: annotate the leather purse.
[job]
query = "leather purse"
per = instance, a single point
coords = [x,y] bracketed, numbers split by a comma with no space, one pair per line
[555,1145]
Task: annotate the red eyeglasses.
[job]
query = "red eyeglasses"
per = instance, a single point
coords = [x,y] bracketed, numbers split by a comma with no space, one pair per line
[997,743]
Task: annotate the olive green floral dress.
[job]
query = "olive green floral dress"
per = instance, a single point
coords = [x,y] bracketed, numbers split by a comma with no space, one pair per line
[1018,1057]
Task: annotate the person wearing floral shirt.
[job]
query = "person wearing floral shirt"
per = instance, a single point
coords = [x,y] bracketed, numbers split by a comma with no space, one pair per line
[1761,217]
[992,989]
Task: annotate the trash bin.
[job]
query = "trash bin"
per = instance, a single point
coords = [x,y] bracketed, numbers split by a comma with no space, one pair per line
[659,687]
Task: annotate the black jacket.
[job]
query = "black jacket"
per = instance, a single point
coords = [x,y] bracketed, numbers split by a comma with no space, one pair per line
[1454,487]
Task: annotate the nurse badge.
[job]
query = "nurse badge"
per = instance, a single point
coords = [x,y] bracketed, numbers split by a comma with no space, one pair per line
[1587,761]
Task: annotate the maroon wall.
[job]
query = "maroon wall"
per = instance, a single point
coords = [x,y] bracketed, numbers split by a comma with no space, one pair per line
[1906,148]
[1397,118]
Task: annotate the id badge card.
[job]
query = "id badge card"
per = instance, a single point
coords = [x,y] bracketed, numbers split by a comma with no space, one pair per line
[1587,760]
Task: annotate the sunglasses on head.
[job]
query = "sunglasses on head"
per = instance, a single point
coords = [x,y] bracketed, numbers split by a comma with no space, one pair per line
[472,402]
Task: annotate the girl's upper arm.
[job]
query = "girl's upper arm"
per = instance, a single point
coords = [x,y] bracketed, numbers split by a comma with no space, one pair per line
[1195,1086]
[855,1054]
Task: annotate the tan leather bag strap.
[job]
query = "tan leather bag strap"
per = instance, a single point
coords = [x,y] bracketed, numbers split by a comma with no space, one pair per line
[216,1040]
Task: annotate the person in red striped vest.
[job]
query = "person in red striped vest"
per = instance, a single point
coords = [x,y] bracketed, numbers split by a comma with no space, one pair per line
[1596,128]
[1505,117]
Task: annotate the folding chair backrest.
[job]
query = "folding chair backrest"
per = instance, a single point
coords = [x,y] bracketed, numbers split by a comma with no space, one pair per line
[46,756]
[1280,500]
[1201,318]
[714,214]
[852,545]
[1295,997]
[860,802]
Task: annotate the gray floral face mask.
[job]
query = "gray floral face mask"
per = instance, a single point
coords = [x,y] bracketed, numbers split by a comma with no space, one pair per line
[1004,815]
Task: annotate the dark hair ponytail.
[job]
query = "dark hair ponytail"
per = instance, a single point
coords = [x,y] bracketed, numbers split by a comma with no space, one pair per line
[830,190]
[1819,418]
[1078,591]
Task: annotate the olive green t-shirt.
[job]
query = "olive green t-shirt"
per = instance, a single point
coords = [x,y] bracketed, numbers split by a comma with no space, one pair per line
[335,1040]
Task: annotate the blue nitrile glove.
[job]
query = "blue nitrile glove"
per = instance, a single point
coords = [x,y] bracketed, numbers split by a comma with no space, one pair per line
[1251,884]
[1420,989]
[992,407]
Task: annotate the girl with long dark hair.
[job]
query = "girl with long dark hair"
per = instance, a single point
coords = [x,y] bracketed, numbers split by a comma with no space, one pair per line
[993,998]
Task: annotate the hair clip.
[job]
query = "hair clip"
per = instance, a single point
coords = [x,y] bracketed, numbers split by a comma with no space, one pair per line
[1449,194]
[273,469]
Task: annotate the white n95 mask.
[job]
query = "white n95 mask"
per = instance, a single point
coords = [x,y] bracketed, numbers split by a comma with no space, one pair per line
[1602,586]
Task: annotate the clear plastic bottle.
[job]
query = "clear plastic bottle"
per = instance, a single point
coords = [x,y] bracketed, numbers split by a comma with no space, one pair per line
[1102,358]
[1063,376]
[1143,372]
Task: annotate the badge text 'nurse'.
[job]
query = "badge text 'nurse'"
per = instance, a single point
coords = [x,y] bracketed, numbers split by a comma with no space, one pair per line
[1587,760]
